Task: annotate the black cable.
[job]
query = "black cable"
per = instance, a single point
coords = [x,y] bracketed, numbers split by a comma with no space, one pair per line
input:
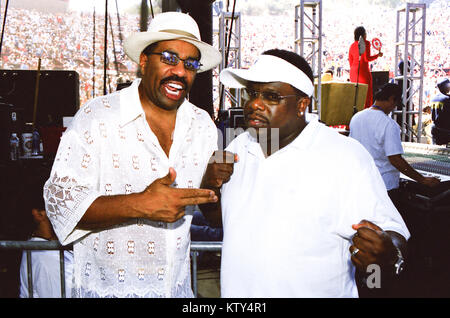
[3,26]
[105,50]
[151,8]
[229,35]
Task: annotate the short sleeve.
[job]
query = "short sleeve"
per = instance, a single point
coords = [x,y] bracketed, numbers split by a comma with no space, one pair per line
[392,142]
[367,199]
[72,186]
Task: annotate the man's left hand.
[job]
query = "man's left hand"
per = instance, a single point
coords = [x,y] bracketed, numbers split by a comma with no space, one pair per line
[374,246]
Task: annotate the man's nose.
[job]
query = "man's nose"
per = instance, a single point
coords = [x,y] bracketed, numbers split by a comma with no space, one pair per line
[179,69]
[256,103]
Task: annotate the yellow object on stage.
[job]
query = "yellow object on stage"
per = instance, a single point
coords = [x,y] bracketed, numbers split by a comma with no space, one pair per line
[337,101]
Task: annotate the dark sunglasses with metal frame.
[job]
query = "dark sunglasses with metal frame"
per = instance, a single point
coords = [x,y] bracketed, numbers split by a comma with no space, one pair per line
[173,59]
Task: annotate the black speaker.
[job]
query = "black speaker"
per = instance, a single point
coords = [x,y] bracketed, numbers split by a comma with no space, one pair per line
[379,78]
[201,93]
[58,94]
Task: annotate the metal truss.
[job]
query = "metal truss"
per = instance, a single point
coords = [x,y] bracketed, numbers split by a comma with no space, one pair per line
[308,40]
[410,42]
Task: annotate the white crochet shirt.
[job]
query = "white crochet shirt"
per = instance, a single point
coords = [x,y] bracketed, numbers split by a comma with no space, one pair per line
[109,149]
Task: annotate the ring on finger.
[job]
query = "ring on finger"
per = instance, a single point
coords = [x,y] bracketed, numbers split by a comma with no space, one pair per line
[355,251]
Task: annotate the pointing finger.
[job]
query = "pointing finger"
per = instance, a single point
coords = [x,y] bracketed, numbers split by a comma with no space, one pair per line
[195,193]
[198,200]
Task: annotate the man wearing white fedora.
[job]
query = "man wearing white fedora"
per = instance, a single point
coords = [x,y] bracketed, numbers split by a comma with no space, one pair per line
[127,172]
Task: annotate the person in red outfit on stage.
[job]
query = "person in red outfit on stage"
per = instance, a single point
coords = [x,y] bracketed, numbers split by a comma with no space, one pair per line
[362,76]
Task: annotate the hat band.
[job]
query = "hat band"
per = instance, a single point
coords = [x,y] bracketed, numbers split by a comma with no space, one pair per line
[179,32]
[274,69]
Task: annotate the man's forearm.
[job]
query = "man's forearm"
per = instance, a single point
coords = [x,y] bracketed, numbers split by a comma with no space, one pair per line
[107,211]
[403,166]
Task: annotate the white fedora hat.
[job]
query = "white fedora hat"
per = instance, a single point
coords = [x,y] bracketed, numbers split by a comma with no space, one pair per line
[172,26]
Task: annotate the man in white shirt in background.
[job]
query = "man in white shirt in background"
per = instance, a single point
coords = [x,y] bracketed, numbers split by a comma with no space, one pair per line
[124,180]
[380,135]
[45,264]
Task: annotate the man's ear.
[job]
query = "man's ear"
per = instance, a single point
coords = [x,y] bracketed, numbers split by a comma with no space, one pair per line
[393,99]
[38,214]
[143,62]
[302,104]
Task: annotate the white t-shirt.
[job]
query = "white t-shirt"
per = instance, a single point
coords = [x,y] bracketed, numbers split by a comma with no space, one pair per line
[110,149]
[380,135]
[288,218]
[46,276]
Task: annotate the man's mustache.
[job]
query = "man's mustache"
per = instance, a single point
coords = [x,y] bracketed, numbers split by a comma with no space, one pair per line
[175,79]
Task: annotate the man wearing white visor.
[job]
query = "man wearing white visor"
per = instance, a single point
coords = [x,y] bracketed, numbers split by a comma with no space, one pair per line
[301,205]
[125,178]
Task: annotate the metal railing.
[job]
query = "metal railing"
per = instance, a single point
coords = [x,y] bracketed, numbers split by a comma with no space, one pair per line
[198,247]
[29,246]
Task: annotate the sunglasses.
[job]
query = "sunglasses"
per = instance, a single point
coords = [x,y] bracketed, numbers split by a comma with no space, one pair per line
[268,98]
[173,59]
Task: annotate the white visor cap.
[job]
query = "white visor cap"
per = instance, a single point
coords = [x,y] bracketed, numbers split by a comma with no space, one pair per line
[268,68]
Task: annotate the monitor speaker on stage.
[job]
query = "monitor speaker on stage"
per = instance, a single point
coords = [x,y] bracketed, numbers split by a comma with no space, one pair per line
[58,94]
[379,78]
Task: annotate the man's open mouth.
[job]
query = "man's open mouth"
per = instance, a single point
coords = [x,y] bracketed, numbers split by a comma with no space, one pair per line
[173,90]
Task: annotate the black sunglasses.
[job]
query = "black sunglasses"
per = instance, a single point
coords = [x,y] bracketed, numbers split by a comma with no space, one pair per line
[173,59]
[269,98]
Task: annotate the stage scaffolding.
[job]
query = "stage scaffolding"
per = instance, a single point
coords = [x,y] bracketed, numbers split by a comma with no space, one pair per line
[308,40]
[229,40]
[410,42]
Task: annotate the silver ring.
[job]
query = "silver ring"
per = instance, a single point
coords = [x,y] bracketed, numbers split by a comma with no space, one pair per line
[355,251]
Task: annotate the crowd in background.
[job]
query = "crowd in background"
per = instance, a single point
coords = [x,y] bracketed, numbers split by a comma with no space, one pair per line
[65,42]
[337,29]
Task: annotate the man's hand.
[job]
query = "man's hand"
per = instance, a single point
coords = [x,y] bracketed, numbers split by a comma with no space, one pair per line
[219,170]
[430,181]
[162,202]
[404,167]
[374,246]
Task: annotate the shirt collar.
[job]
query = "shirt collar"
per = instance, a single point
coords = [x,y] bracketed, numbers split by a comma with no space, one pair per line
[303,141]
[131,107]
[306,138]
[130,103]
